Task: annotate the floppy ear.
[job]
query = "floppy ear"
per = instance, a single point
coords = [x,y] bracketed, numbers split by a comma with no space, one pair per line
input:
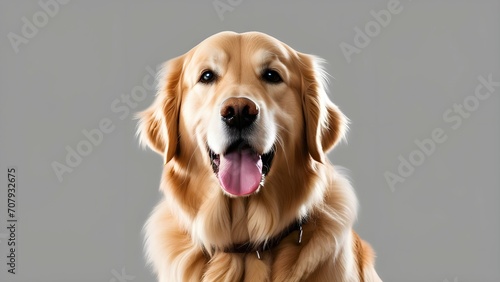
[325,123]
[158,124]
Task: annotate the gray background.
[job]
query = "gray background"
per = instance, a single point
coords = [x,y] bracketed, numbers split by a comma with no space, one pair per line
[441,224]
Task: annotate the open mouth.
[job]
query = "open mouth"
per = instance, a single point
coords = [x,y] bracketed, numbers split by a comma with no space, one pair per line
[241,171]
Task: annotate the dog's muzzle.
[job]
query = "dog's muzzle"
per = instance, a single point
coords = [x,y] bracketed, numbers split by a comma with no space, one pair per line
[240,169]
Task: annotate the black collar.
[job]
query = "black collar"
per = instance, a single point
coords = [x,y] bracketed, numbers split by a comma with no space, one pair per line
[250,247]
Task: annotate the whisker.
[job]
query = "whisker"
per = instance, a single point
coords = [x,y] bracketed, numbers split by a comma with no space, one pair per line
[189,162]
[283,128]
[281,143]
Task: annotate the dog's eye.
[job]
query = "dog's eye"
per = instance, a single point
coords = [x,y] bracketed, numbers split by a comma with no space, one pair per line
[208,77]
[271,76]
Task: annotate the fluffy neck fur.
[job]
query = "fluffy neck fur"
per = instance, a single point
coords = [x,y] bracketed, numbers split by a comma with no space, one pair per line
[216,221]
[195,213]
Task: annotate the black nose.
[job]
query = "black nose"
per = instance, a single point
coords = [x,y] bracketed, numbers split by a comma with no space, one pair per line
[239,112]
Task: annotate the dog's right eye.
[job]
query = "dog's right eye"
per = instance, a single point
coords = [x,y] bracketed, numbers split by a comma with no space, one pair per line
[271,76]
[207,77]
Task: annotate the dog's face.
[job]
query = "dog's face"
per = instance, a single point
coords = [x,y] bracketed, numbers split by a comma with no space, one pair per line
[242,108]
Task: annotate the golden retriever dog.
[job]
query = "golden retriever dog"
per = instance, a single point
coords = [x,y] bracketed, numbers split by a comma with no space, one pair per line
[244,123]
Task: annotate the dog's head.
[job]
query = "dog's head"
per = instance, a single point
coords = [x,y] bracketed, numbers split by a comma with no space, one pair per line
[239,108]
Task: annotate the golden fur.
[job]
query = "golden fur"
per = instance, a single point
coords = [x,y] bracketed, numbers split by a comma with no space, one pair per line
[189,229]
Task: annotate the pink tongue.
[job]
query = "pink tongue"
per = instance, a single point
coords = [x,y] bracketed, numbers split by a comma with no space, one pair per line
[240,172]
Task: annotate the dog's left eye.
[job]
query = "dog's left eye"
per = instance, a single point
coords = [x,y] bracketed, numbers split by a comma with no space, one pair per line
[271,76]
[208,77]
